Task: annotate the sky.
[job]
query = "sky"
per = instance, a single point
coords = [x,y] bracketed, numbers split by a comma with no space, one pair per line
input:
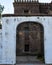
[8,5]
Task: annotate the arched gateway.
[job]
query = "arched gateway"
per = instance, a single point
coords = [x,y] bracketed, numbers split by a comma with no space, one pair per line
[30,39]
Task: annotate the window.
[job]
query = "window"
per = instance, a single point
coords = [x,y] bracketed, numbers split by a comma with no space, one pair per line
[26,48]
[26,11]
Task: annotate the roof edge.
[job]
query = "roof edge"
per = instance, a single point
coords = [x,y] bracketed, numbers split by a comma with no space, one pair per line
[14,15]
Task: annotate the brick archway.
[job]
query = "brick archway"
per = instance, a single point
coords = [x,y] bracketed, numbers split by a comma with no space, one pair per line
[30,39]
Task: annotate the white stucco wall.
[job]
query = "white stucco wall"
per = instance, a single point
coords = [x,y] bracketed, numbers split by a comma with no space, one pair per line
[9,37]
[0,45]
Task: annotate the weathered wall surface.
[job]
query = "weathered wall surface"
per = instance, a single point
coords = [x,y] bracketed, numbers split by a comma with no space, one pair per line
[0,46]
[9,25]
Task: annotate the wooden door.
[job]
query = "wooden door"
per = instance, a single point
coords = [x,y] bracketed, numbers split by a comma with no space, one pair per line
[29,39]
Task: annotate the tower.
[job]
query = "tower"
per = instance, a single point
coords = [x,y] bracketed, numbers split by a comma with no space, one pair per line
[26,7]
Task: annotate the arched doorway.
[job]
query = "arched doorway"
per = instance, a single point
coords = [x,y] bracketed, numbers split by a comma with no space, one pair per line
[30,39]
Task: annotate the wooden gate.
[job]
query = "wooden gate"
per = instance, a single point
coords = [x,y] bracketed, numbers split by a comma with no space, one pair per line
[29,39]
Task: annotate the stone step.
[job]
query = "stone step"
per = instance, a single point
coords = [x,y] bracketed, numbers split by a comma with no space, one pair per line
[28,59]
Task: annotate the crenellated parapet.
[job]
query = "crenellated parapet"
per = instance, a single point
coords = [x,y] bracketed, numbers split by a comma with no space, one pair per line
[25,1]
[31,7]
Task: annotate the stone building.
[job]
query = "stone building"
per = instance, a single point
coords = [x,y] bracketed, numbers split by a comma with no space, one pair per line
[27,32]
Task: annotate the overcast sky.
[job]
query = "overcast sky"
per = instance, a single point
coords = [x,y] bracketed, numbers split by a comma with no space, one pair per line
[8,5]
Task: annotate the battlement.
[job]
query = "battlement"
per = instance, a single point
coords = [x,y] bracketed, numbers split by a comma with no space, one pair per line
[31,7]
[22,1]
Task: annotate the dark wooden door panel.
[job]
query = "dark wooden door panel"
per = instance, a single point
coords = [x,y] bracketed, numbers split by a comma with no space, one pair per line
[29,38]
